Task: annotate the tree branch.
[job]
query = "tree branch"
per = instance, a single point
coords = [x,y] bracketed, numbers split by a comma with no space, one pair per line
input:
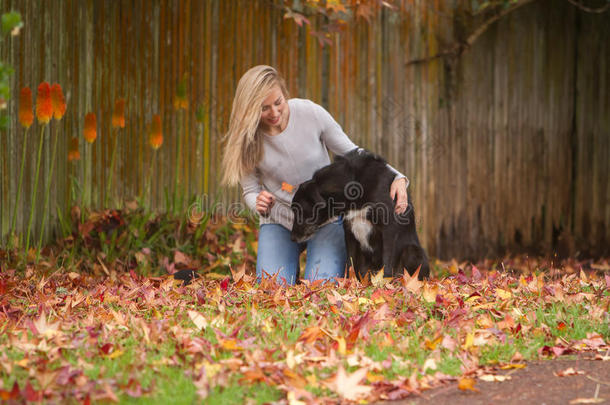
[590,10]
[458,48]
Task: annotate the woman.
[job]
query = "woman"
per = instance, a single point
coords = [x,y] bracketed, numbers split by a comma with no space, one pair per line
[273,145]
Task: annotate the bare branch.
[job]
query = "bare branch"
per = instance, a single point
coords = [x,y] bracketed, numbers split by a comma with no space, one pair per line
[458,48]
[590,10]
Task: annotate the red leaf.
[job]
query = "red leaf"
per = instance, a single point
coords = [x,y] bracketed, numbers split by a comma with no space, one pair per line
[461,277]
[200,297]
[8,395]
[107,348]
[30,394]
[87,400]
[476,274]
[224,284]
[133,389]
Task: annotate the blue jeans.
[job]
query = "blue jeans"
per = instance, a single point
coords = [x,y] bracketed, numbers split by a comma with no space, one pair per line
[277,254]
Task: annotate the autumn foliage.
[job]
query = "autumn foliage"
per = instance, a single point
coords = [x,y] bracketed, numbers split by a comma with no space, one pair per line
[324,343]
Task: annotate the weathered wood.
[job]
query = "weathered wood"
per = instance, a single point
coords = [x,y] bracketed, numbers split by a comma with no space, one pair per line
[507,145]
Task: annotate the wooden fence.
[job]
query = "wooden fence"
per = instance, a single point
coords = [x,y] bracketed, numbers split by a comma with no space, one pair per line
[507,145]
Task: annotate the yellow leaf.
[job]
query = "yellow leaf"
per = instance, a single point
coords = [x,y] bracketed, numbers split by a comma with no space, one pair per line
[312,380]
[430,293]
[216,276]
[211,369]
[373,378]
[342,346]
[503,294]
[512,365]
[231,344]
[115,354]
[378,281]
[23,362]
[469,340]
[467,384]
[364,301]
[453,268]
[431,345]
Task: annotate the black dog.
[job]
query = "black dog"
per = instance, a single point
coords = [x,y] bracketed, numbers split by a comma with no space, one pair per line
[357,186]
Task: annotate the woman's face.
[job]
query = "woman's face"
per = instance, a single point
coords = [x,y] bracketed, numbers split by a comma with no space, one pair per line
[274,111]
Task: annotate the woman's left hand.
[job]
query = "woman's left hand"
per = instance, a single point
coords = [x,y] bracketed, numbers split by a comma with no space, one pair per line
[398,189]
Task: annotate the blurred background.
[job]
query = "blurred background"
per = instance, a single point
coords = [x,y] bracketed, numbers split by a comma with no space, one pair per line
[497,111]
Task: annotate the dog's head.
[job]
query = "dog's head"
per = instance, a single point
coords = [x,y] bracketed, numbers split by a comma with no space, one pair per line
[319,200]
[310,210]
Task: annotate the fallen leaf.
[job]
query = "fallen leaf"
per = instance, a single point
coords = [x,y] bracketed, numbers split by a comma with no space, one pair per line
[512,365]
[411,283]
[494,378]
[568,371]
[198,319]
[587,401]
[348,385]
[467,384]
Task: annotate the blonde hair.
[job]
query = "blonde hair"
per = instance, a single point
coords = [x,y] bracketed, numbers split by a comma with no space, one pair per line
[244,142]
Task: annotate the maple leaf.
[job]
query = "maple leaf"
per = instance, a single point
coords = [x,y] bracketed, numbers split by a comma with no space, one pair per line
[411,283]
[348,386]
[44,328]
[378,280]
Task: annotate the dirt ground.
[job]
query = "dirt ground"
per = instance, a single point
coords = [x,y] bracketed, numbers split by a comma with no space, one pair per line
[535,384]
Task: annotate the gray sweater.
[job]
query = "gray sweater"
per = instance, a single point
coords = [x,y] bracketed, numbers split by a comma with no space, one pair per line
[292,156]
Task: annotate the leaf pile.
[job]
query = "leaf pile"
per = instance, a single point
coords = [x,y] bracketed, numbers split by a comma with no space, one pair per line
[146,242]
[67,335]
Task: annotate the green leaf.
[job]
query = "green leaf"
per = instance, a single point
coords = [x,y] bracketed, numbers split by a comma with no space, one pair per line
[11,22]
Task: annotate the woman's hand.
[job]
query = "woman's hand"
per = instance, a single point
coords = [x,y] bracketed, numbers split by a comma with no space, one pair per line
[398,189]
[264,201]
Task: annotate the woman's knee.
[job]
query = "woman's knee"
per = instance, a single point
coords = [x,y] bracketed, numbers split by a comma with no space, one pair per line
[277,255]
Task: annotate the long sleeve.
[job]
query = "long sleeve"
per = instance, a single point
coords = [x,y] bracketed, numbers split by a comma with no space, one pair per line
[250,184]
[336,140]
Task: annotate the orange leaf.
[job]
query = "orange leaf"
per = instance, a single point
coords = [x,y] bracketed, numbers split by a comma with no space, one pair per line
[311,334]
[467,384]
[411,283]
